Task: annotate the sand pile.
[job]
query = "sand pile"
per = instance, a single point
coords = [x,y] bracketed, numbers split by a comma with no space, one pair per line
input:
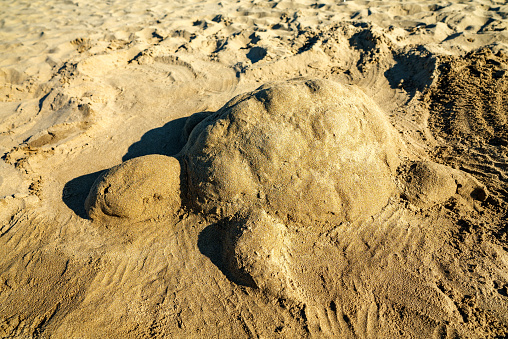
[139,189]
[306,150]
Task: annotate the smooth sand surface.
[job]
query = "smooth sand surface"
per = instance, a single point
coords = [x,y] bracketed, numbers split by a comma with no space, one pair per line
[366,199]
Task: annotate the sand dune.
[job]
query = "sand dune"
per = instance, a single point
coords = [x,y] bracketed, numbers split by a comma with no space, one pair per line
[367,198]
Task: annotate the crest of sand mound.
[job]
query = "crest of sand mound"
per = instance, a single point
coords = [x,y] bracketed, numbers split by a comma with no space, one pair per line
[305,150]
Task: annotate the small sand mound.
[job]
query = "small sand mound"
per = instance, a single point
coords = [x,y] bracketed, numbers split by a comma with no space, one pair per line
[256,253]
[305,150]
[427,184]
[138,189]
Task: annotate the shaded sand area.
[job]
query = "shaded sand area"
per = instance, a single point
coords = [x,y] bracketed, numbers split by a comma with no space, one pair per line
[275,169]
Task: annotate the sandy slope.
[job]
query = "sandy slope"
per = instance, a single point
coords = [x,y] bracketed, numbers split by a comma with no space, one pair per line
[85,86]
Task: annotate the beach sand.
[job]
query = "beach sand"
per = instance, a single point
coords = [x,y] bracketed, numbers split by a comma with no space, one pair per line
[384,214]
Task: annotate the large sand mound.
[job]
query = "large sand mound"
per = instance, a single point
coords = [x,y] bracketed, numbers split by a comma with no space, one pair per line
[302,149]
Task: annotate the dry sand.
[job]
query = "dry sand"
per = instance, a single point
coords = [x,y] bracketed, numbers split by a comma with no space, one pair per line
[253,221]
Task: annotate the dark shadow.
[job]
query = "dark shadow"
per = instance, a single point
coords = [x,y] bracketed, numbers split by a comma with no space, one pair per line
[75,192]
[165,140]
[365,40]
[453,36]
[256,54]
[308,44]
[211,244]
[486,26]
[254,39]
[413,70]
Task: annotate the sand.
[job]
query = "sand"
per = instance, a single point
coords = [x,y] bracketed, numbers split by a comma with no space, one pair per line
[303,149]
[240,236]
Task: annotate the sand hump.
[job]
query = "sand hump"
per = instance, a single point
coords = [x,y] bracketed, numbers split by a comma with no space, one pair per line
[138,189]
[426,184]
[307,150]
[257,254]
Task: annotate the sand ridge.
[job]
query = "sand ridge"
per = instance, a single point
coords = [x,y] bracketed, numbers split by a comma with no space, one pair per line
[87,87]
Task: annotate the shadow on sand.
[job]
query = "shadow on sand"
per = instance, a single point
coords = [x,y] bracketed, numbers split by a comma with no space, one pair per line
[210,244]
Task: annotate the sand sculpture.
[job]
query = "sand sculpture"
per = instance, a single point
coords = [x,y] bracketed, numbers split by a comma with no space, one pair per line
[304,151]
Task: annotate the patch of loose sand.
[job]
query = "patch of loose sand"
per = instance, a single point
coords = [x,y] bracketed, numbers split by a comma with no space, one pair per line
[417,248]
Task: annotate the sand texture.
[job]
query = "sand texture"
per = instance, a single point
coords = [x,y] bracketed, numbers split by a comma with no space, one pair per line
[253,169]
